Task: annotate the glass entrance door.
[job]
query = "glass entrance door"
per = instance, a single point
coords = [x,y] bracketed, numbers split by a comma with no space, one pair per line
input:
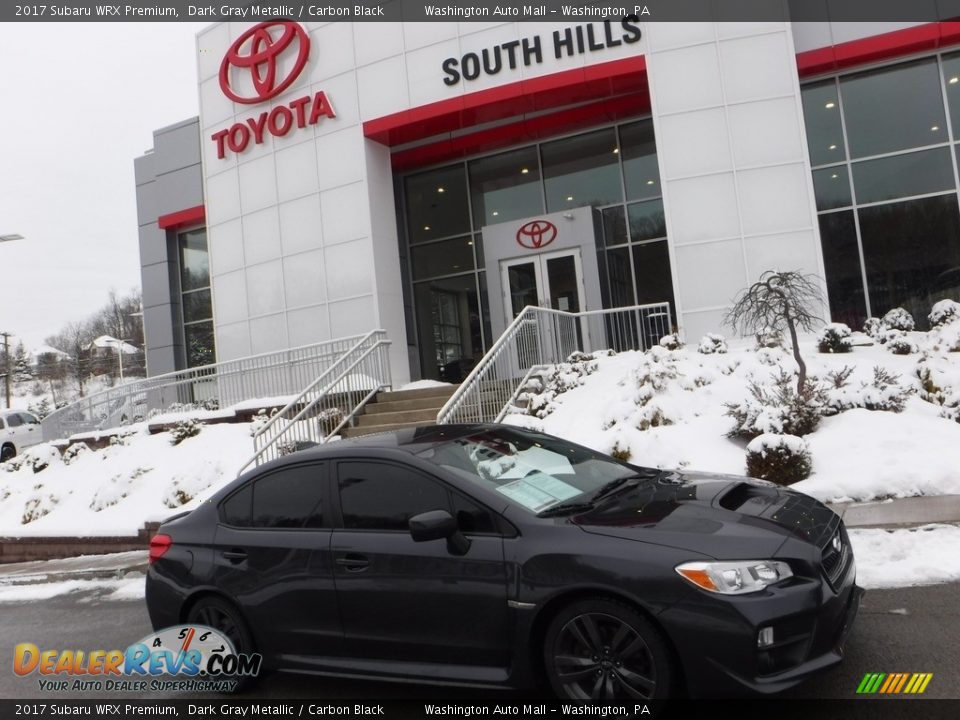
[553,280]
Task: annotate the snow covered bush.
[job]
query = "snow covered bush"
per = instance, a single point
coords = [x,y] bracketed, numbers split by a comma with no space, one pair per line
[620,452]
[898,319]
[776,407]
[712,344]
[874,328]
[538,395]
[771,339]
[75,451]
[118,487]
[835,338]
[175,408]
[40,409]
[40,457]
[943,313]
[939,377]
[261,419]
[184,429]
[901,345]
[945,338]
[783,459]
[671,342]
[329,419]
[883,393]
[38,505]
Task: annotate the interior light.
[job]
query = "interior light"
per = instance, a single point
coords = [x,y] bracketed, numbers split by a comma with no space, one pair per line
[496,212]
[524,171]
[934,128]
[469,242]
[834,176]
[569,198]
[616,150]
[440,190]
[830,105]
[954,80]
[651,182]
[833,147]
[426,227]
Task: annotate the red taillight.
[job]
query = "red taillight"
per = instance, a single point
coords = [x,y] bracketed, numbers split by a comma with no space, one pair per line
[159,545]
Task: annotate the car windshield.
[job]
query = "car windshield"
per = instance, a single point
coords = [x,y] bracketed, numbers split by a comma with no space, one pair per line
[534,471]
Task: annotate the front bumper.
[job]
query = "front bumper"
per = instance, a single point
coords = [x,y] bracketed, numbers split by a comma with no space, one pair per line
[716,636]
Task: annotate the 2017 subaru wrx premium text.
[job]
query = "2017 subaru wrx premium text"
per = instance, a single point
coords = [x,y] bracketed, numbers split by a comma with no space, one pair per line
[490,555]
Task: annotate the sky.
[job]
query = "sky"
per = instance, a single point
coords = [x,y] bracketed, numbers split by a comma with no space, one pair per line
[78,102]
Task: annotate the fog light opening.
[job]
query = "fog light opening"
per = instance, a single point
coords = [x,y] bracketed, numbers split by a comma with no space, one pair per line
[765,637]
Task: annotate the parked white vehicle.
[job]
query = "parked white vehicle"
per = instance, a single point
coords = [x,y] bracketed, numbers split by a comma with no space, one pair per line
[18,430]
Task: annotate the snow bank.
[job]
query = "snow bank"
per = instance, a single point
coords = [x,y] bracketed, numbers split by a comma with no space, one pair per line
[900,558]
[114,491]
[857,454]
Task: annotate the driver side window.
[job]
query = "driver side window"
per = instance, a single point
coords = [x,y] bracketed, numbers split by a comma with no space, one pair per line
[382,496]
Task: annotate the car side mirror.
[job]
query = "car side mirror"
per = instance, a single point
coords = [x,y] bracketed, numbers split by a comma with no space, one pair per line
[436,525]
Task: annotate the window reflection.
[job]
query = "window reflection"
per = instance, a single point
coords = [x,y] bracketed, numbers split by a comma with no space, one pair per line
[841,258]
[582,170]
[505,187]
[195,302]
[641,174]
[437,204]
[448,316]
[821,114]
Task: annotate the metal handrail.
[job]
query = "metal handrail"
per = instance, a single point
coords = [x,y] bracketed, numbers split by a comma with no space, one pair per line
[277,373]
[541,336]
[353,380]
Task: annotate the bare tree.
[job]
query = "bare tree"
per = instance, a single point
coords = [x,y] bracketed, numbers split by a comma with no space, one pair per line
[74,339]
[779,300]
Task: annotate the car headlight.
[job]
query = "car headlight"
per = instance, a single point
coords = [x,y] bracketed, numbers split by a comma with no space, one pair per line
[735,578]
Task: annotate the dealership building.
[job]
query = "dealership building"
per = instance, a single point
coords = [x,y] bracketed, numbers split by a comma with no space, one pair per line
[431,179]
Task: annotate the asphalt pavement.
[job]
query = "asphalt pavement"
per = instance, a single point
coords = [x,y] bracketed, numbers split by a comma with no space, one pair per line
[905,630]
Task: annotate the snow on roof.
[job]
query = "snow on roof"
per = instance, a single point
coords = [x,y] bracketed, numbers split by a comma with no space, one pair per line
[37,352]
[105,341]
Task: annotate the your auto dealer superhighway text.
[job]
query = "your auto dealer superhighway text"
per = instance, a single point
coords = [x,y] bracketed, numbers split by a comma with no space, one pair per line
[245,710]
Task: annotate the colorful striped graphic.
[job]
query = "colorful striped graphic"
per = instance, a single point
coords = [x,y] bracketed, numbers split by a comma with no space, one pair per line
[894,683]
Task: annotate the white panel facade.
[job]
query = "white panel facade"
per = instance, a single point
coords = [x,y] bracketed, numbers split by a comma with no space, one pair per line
[302,226]
[740,200]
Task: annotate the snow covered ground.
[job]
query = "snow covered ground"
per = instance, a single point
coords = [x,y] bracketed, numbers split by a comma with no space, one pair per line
[857,454]
[901,558]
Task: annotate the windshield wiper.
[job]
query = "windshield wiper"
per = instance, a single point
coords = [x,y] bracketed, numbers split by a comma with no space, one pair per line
[628,482]
[565,509]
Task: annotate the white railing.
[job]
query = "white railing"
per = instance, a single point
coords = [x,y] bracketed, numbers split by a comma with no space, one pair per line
[270,375]
[329,403]
[541,336]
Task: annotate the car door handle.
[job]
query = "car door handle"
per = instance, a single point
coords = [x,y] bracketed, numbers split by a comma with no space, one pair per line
[235,556]
[353,562]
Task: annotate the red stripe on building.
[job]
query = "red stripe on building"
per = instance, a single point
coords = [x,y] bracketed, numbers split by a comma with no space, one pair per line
[182,218]
[887,46]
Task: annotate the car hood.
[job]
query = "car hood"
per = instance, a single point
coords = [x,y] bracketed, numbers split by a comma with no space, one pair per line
[723,516]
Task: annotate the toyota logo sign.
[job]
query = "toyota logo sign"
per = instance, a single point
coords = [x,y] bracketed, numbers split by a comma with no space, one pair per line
[536,234]
[257,52]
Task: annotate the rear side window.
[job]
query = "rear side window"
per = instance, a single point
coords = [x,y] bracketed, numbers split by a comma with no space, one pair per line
[288,498]
[14,420]
[380,496]
[29,419]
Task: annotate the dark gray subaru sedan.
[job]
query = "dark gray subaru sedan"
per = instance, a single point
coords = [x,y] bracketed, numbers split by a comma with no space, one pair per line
[488,555]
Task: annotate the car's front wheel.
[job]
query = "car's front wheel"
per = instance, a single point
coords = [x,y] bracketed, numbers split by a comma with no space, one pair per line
[7,452]
[605,650]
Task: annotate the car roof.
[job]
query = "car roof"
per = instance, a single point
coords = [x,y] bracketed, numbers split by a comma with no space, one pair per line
[409,440]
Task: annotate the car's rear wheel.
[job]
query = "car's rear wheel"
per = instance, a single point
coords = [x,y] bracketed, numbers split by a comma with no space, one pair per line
[7,452]
[605,650]
[226,619]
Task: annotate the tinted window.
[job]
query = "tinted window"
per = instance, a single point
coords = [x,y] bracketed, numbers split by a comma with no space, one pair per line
[29,419]
[472,518]
[14,420]
[582,170]
[378,496]
[236,509]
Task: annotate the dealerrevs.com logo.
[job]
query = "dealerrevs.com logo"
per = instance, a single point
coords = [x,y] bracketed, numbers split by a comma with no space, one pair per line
[260,65]
[192,658]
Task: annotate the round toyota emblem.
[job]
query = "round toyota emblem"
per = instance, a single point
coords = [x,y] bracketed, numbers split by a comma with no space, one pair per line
[256,52]
[536,234]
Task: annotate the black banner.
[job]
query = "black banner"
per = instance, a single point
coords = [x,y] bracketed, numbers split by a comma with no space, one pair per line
[484,11]
[767,709]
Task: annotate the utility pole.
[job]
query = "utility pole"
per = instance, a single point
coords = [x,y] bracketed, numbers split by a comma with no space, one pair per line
[6,364]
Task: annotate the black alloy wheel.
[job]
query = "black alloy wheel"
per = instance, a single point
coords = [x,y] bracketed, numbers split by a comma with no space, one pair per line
[7,453]
[605,650]
[221,616]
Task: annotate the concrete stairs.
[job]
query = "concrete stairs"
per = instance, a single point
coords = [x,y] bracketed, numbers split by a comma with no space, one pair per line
[400,409]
